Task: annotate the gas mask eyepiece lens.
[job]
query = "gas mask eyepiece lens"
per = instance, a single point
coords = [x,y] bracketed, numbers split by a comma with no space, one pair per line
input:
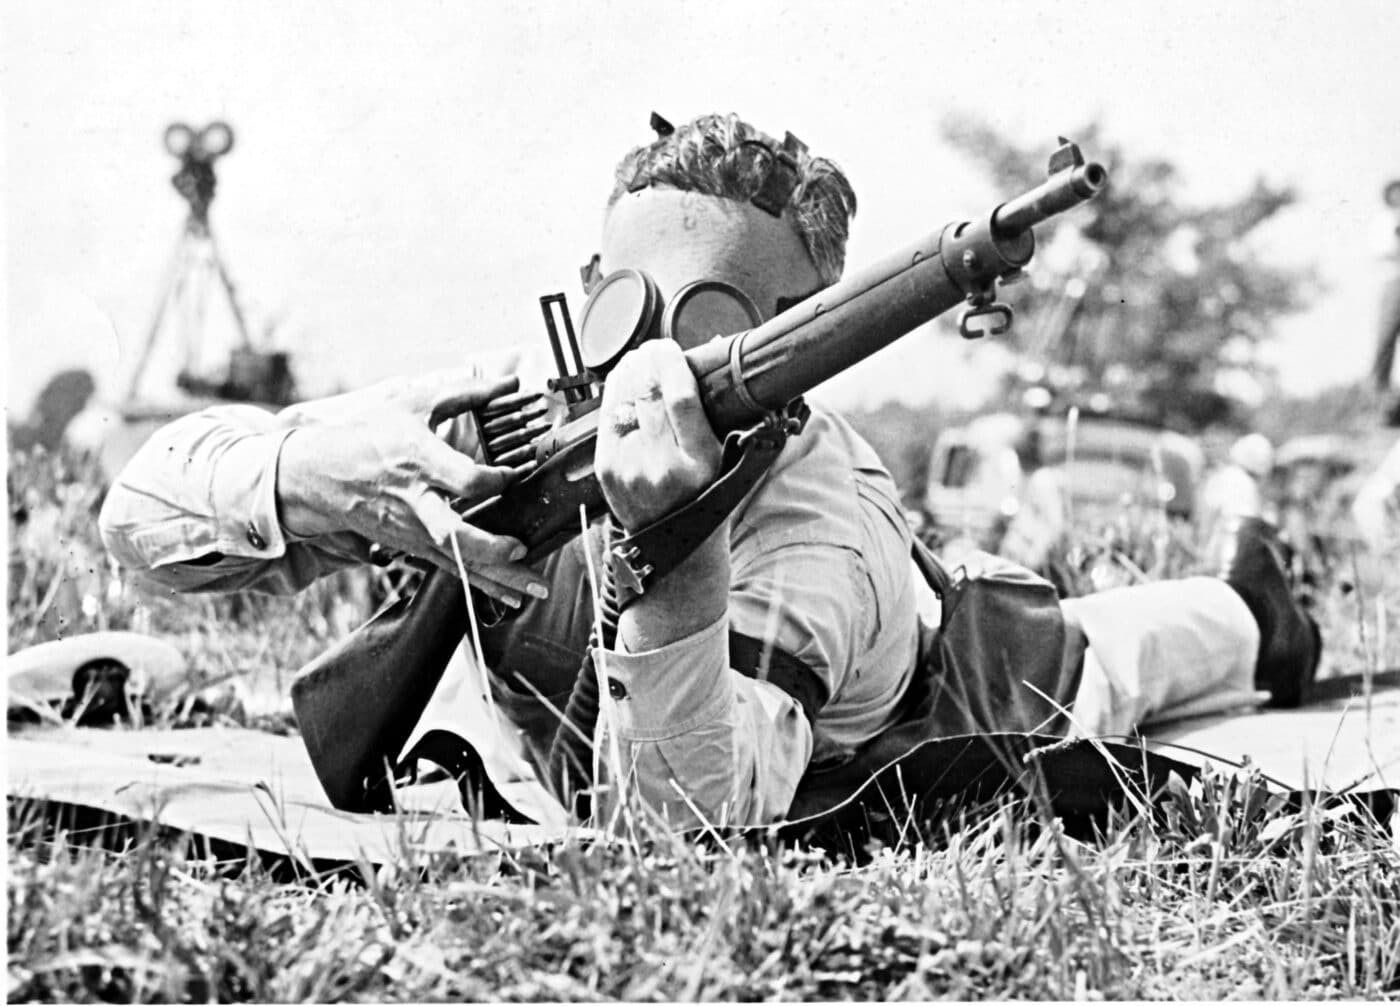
[622,312]
[707,308]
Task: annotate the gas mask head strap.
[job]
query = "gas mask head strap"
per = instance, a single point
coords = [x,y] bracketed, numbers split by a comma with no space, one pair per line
[780,176]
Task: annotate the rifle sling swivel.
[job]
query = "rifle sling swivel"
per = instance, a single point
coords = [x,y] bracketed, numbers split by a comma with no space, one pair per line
[643,557]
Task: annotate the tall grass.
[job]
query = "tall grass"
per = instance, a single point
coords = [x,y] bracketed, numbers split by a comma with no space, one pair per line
[1223,893]
[1218,900]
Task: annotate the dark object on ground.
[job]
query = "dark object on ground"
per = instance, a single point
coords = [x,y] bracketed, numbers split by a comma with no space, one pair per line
[1080,782]
[253,375]
[1249,558]
[63,397]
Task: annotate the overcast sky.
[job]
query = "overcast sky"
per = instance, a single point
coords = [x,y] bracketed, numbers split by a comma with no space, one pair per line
[409,177]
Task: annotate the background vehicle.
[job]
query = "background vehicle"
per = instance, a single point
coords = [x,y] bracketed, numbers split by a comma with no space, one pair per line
[975,479]
[1013,483]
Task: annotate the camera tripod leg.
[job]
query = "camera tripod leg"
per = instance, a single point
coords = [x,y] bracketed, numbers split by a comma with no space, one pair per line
[230,291]
[174,273]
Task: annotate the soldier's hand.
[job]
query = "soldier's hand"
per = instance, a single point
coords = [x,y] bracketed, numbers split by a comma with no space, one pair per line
[656,450]
[369,462]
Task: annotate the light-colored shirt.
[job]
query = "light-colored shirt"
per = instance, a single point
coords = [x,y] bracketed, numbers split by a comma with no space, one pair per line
[819,565]
[1229,492]
[1375,505]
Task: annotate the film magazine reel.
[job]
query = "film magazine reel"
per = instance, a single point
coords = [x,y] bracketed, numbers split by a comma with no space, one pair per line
[623,310]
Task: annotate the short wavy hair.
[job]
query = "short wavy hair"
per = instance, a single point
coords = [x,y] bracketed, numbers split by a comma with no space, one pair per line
[722,155]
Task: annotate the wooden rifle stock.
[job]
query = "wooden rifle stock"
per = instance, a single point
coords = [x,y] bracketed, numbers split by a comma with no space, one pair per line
[358,703]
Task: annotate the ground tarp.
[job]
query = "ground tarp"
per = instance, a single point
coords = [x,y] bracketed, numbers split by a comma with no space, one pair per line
[249,788]
[258,790]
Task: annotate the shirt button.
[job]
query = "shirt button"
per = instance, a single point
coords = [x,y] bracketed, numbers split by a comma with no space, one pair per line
[255,537]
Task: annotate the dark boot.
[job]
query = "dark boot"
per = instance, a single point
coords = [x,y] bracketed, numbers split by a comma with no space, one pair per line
[1249,557]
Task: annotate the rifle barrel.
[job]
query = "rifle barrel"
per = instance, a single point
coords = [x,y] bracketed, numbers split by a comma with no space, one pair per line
[1062,191]
[763,369]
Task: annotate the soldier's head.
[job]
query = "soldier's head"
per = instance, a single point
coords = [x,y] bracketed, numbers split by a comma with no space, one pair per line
[717,199]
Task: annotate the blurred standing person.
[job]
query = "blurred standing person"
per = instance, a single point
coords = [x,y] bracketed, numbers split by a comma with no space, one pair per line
[1374,506]
[1375,514]
[1236,488]
[1373,509]
[1388,331]
[1041,522]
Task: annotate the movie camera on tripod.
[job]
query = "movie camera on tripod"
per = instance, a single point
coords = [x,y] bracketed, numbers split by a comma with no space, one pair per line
[251,374]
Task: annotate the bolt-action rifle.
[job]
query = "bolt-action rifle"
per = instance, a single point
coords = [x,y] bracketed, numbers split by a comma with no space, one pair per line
[358,703]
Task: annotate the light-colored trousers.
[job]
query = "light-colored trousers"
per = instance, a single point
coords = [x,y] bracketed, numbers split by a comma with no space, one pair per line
[1163,651]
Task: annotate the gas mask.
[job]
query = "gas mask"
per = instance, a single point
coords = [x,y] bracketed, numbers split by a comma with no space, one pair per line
[624,309]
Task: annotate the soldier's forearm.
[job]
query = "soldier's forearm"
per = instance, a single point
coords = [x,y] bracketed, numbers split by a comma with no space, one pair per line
[690,597]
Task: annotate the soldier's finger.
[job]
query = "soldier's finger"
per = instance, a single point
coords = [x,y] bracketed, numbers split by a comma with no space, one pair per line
[652,415]
[478,547]
[512,578]
[459,475]
[494,589]
[457,395]
[496,557]
[485,584]
[631,375]
[445,394]
[681,394]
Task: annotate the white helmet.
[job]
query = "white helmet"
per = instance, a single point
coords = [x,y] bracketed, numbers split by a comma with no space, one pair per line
[1254,453]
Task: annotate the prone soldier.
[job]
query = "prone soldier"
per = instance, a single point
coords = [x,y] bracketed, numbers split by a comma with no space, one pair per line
[788,637]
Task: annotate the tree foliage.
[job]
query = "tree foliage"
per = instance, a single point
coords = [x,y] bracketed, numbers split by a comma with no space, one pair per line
[1139,294]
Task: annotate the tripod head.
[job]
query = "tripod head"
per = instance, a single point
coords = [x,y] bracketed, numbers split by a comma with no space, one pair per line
[197,152]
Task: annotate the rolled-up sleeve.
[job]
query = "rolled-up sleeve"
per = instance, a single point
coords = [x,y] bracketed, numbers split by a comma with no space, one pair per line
[704,743]
[819,568]
[701,743]
[195,509]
